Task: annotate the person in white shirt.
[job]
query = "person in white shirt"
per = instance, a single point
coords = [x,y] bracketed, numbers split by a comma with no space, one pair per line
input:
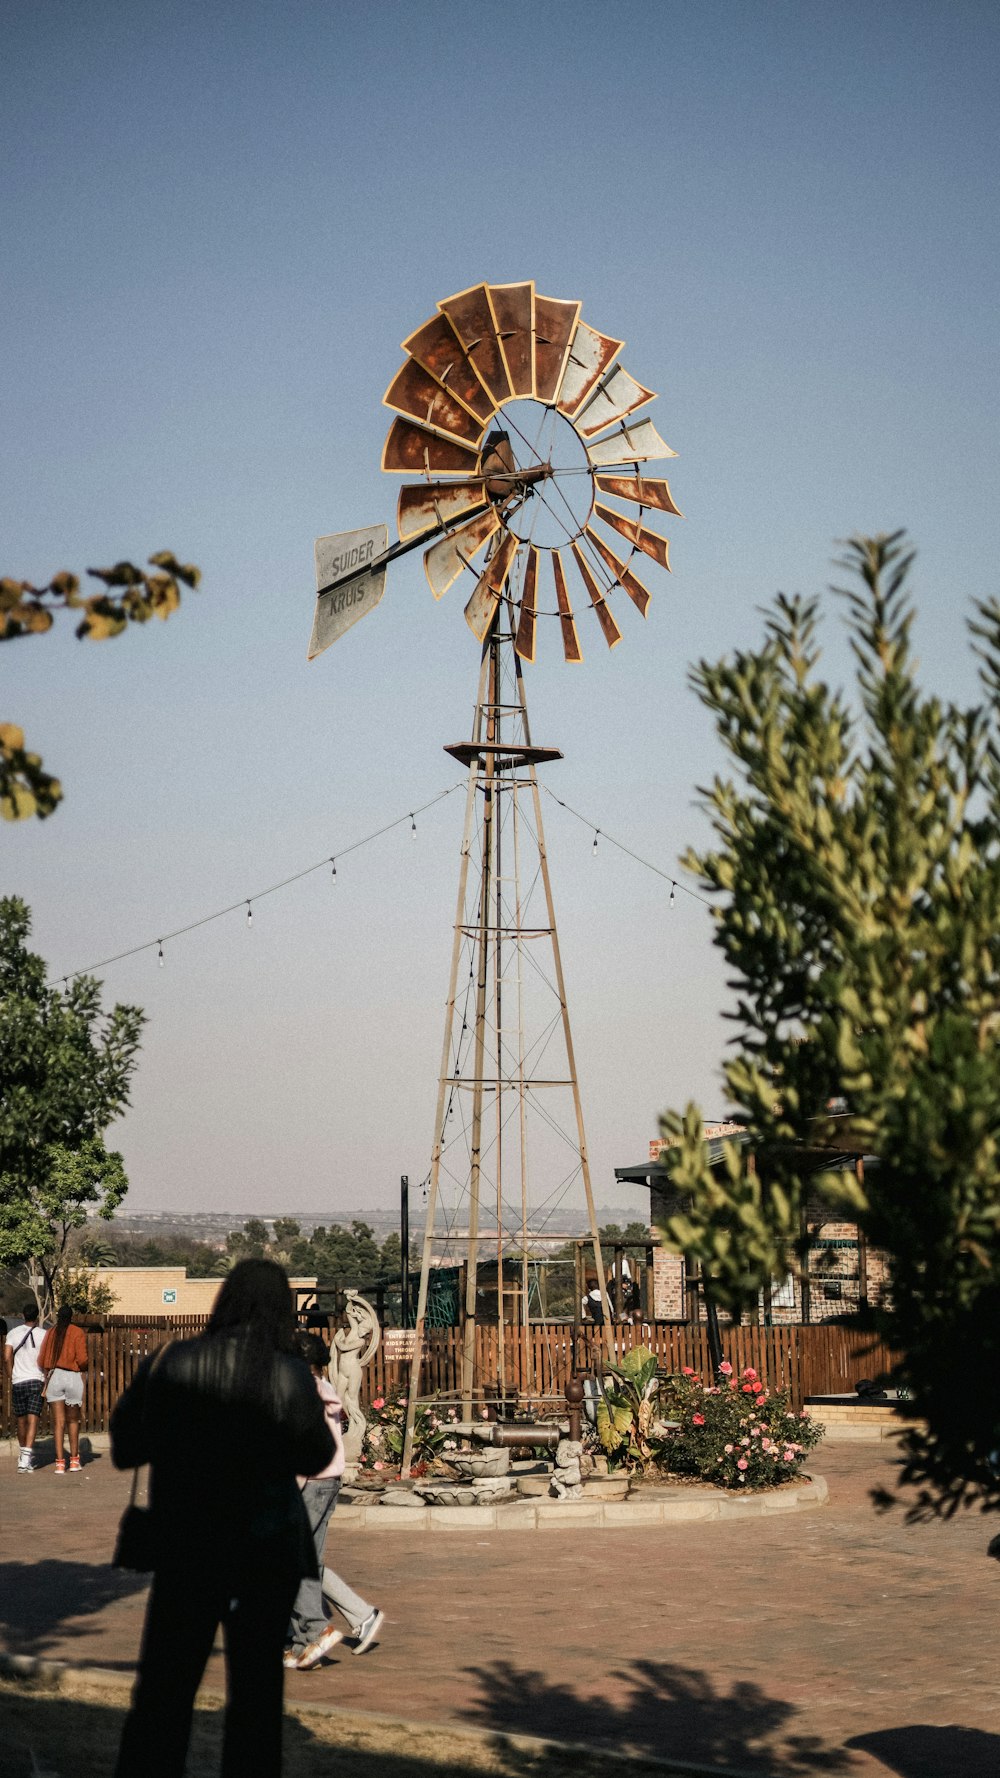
[27,1382]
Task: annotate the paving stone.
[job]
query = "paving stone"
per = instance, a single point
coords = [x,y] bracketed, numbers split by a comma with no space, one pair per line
[759,1648]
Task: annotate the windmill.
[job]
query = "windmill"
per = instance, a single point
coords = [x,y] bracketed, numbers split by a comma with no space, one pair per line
[525,440]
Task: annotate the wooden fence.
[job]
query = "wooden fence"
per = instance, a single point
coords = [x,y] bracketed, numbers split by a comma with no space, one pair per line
[821,1360]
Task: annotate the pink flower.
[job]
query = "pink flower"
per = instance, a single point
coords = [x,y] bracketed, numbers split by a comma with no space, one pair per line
[756,1387]
[748,1388]
[697,1419]
[403,1400]
[742,1463]
[728,1449]
[744,1442]
[686,1371]
[749,1372]
[804,1414]
[765,1444]
[378,1465]
[725,1368]
[732,1383]
[789,1456]
[379,1402]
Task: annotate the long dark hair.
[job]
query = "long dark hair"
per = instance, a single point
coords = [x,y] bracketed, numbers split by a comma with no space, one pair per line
[63,1319]
[256,1298]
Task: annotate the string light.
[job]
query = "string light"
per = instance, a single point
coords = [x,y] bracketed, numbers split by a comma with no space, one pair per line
[646,863]
[221,913]
[593,849]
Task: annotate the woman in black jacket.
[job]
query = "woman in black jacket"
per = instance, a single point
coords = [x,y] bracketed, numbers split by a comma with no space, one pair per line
[227,1421]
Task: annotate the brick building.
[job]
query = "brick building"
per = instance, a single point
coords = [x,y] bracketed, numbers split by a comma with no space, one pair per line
[842,1270]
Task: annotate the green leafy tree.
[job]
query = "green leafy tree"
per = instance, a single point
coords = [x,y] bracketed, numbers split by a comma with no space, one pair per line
[129,595]
[66,1069]
[857,865]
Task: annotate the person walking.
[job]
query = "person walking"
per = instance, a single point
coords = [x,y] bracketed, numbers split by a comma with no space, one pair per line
[226,1421]
[63,1358]
[311,1636]
[27,1380]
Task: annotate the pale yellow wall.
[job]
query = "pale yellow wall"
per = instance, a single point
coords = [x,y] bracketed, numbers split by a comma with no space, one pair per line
[140,1290]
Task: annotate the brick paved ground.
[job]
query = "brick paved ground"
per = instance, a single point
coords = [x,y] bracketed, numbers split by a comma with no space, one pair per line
[834,1640]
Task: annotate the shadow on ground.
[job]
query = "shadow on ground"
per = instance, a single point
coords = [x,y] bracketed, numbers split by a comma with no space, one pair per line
[921,1750]
[48,1734]
[41,1603]
[665,1711]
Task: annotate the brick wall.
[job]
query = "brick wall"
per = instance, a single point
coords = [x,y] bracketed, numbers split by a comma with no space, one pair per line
[834,1270]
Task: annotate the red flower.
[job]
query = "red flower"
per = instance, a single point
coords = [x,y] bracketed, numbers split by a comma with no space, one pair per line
[748,1372]
[756,1387]
[732,1383]
[686,1371]
[697,1419]
[748,1388]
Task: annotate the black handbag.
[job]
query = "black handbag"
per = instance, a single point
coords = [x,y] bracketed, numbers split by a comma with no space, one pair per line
[135,1545]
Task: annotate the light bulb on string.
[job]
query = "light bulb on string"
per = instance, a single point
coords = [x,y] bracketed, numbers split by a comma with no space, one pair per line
[249,915]
[673,894]
[593,849]
[333,870]
[413,826]
[159,953]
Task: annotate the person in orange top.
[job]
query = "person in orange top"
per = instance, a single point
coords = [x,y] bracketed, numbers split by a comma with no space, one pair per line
[63,1358]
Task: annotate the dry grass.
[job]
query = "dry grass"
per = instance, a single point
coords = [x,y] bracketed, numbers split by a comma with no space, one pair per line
[72,1728]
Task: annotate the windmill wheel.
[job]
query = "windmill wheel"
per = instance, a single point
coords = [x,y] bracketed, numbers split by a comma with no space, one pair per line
[519,418]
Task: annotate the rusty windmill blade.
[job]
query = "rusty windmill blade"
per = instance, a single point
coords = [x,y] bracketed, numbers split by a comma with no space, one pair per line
[638,443]
[438,348]
[616,395]
[524,641]
[414,393]
[513,308]
[413,450]
[481,609]
[423,506]
[555,322]
[642,490]
[589,356]
[444,561]
[472,318]
[612,634]
[650,542]
[567,622]
[625,576]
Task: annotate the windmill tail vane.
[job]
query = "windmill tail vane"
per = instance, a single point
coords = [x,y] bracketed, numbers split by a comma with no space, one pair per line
[560,478]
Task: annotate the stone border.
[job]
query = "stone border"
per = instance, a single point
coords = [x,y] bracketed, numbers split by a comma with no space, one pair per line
[564,1515]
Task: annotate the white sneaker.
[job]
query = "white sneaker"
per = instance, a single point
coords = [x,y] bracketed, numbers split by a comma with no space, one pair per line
[368,1631]
[318,1650]
[25,1462]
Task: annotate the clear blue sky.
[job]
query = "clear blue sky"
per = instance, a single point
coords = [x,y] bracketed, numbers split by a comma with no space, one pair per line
[219,223]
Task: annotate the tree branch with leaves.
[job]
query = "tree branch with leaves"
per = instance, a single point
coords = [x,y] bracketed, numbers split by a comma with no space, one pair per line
[856,866]
[129,595]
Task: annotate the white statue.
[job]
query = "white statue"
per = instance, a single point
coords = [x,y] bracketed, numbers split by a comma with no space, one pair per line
[354,1346]
[567,1477]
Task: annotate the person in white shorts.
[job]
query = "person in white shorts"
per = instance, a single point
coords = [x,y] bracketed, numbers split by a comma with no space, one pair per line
[27,1382]
[63,1358]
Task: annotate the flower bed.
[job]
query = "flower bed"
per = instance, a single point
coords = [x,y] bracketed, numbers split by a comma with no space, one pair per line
[735,1432]
[383,1441]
